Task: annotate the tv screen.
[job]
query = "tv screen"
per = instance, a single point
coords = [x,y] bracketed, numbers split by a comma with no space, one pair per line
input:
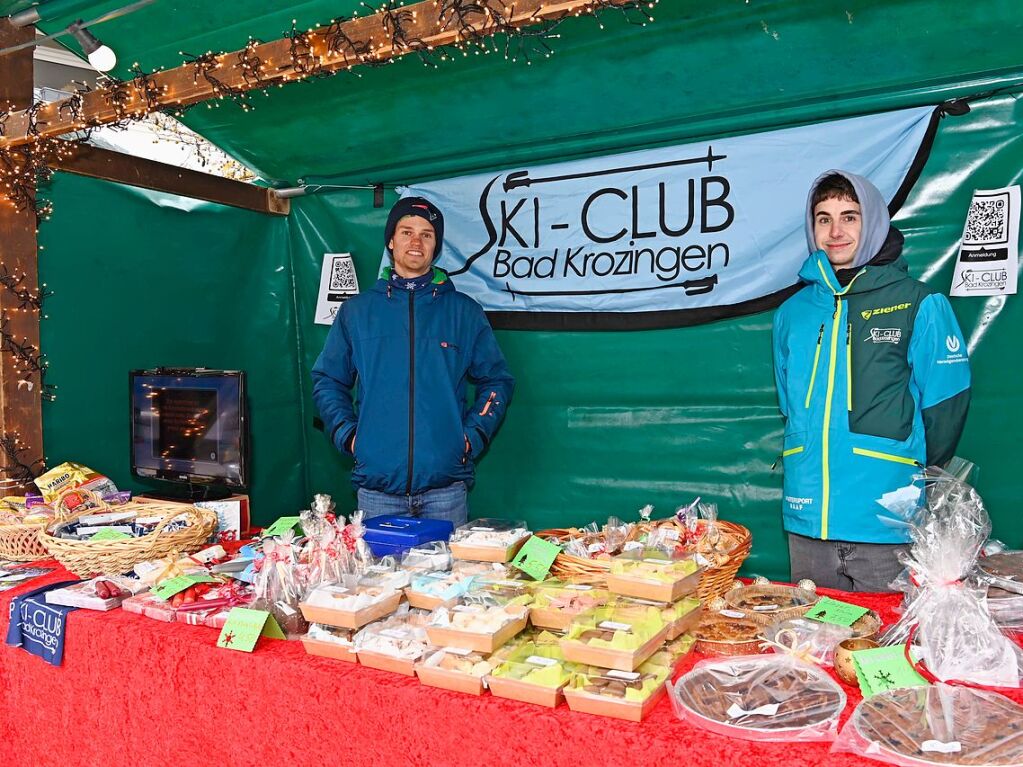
[189,425]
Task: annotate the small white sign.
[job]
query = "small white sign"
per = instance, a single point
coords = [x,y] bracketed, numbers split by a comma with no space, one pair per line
[629,676]
[338,283]
[735,710]
[614,626]
[936,746]
[989,253]
[536,660]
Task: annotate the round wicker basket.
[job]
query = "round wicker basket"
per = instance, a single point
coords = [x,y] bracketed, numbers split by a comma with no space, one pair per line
[732,547]
[88,558]
[20,542]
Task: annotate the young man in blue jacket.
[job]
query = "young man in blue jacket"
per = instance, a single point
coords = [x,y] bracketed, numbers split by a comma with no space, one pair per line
[873,381]
[410,345]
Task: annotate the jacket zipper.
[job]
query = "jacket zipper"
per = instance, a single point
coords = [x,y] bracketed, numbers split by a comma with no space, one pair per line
[885,456]
[825,470]
[490,401]
[411,384]
[825,501]
[816,358]
[848,365]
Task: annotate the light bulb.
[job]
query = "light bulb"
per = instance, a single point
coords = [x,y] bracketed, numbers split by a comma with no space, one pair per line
[103,59]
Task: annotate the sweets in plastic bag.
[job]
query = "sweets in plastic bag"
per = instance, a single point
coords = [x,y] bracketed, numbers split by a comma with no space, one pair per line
[939,724]
[765,697]
[72,475]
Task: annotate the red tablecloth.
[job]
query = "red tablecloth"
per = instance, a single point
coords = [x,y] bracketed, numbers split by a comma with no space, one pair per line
[136,692]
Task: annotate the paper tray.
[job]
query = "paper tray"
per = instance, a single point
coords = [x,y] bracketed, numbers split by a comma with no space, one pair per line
[329,650]
[351,620]
[686,623]
[450,680]
[426,601]
[467,640]
[516,689]
[387,663]
[671,591]
[487,553]
[622,660]
[619,709]
[551,618]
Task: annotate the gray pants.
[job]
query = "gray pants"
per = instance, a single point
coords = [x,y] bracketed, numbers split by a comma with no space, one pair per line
[844,565]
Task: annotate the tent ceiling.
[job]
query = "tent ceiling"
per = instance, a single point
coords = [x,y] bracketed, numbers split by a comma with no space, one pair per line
[701,67]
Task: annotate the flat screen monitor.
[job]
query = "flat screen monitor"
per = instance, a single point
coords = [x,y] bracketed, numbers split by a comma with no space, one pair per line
[189,425]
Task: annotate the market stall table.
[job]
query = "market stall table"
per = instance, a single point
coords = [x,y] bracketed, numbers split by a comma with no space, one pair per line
[134,691]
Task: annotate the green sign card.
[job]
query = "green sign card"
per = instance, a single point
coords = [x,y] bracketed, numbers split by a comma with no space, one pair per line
[536,557]
[885,668]
[172,586]
[281,526]
[106,534]
[829,610]
[245,626]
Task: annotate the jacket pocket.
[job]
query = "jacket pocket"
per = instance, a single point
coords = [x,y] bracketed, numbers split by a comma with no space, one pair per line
[885,456]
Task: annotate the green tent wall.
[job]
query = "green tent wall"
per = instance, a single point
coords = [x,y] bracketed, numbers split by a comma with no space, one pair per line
[601,423]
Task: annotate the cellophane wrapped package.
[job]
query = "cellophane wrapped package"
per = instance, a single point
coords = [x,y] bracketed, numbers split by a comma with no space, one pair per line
[279,584]
[948,618]
[761,697]
[807,640]
[939,724]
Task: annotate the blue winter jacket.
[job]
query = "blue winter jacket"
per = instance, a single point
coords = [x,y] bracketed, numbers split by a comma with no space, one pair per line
[409,355]
[873,381]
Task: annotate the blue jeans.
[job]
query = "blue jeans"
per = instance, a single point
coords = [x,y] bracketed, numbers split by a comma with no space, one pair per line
[448,503]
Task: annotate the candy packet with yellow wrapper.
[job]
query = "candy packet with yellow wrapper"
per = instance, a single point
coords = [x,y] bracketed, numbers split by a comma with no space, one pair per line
[70,475]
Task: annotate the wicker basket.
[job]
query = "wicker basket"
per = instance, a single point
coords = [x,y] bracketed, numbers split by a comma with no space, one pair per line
[715,580]
[20,542]
[87,558]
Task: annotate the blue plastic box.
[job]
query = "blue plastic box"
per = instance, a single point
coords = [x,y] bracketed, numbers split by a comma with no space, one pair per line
[395,534]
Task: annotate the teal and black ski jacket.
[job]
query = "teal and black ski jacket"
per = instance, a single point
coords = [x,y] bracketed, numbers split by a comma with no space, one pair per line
[874,382]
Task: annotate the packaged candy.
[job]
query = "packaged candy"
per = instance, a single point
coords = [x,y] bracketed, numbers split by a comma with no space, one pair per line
[489,540]
[615,637]
[394,644]
[620,694]
[807,640]
[330,642]
[664,580]
[946,615]
[533,672]
[939,725]
[71,475]
[766,697]
[102,593]
[481,621]
[279,584]
[452,668]
[555,603]
[427,557]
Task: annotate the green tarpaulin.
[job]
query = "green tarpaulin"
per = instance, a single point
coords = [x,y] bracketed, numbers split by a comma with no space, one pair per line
[602,423]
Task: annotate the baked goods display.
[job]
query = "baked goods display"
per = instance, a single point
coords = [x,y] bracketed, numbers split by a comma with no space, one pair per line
[769,697]
[728,633]
[937,725]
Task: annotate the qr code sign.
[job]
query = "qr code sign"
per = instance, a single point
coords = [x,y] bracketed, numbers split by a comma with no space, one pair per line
[988,221]
[342,275]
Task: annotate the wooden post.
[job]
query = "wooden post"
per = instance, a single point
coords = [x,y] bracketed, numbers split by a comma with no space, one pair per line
[20,388]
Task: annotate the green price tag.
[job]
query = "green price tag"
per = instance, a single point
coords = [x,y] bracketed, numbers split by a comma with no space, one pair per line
[173,586]
[106,534]
[884,668]
[281,526]
[244,627]
[536,557]
[829,610]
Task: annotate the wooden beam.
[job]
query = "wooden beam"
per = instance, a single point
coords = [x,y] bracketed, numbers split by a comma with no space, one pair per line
[21,414]
[423,25]
[85,160]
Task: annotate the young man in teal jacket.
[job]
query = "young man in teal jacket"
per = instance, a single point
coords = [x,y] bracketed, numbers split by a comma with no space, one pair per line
[410,345]
[873,381]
